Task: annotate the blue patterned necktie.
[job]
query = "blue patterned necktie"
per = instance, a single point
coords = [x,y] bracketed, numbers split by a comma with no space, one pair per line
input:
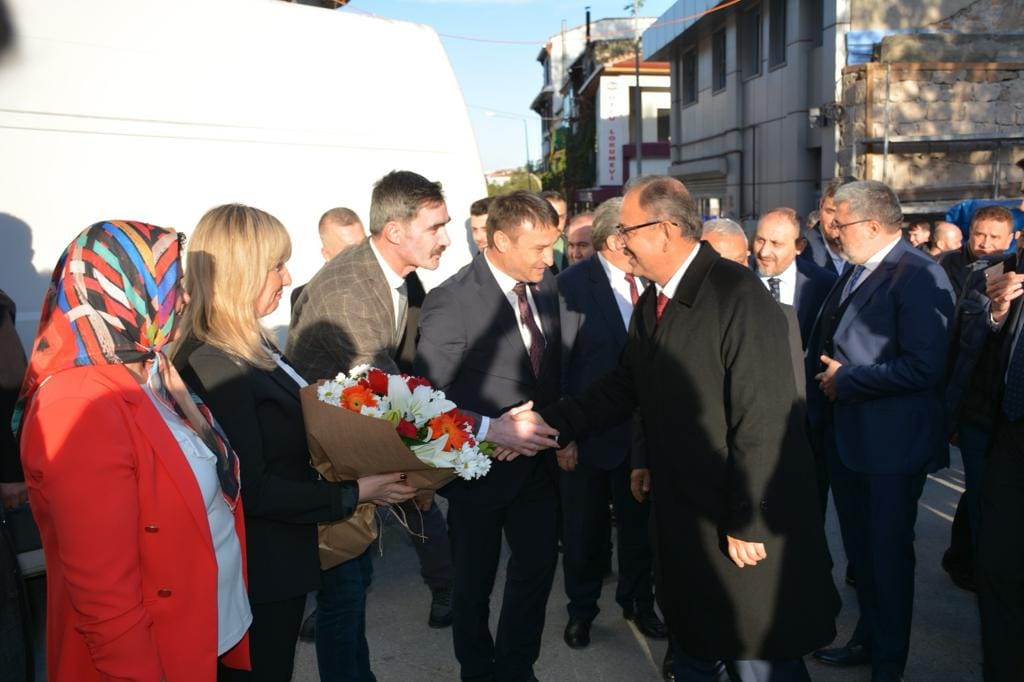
[852,282]
[1013,396]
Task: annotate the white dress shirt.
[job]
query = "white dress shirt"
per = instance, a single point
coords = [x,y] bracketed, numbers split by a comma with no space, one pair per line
[233,613]
[395,282]
[288,369]
[620,288]
[787,283]
[871,264]
[673,283]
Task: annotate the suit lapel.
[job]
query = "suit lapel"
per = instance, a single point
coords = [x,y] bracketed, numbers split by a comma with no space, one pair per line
[493,298]
[862,294]
[285,382]
[604,299]
[379,286]
[801,282]
[168,452]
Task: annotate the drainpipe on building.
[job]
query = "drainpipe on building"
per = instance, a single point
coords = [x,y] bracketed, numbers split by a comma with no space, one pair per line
[639,123]
[885,137]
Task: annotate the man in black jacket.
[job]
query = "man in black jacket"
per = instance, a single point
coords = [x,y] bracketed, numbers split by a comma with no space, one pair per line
[744,579]
[490,339]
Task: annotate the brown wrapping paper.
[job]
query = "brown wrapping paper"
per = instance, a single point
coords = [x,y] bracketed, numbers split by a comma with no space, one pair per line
[344,446]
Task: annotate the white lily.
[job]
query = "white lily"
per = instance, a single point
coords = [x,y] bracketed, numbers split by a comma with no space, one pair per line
[419,406]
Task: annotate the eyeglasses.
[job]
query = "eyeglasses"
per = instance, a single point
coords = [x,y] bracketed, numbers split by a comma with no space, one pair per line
[842,226]
[622,230]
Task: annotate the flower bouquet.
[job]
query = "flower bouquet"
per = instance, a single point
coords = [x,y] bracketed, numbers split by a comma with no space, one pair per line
[368,422]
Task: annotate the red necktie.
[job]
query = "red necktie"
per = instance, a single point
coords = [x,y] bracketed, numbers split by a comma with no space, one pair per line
[536,337]
[634,293]
[662,302]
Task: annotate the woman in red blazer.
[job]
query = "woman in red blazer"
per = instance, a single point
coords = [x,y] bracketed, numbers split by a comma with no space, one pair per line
[133,486]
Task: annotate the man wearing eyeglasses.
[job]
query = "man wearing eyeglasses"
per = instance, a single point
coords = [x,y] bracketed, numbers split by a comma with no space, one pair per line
[878,352]
[744,573]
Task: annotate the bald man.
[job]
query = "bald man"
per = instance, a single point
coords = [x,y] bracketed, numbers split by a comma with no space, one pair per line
[579,245]
[340,228]
[945,237]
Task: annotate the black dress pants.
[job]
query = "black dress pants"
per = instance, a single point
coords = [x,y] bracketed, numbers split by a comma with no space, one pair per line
[586,527]
[999,570]
[272,637]
[476,525]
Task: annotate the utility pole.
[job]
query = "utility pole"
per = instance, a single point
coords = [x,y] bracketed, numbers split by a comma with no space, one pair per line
[638,124]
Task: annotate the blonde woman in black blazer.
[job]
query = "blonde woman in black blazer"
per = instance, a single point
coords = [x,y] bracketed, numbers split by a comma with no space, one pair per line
[236,274]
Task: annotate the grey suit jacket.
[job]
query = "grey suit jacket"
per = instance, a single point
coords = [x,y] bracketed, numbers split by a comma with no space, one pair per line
[344,317]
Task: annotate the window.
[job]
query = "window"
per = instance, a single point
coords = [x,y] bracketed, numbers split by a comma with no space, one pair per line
[664,125]
[777,33]
[689,76]
[750,42]
[718,60]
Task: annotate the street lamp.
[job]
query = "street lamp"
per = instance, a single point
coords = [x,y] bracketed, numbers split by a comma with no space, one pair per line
[526,134]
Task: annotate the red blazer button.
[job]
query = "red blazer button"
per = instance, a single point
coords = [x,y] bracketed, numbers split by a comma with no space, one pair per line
[151,529]
[163,592]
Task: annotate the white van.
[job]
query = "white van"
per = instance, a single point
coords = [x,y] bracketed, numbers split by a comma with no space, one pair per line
[156,111]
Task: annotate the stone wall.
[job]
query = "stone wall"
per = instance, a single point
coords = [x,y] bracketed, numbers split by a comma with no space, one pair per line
[928,100]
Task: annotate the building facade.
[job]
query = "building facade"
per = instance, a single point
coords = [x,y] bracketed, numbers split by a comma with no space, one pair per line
[760,108]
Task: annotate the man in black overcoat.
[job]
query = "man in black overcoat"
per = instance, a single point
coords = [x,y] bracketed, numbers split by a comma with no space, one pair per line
[745,578]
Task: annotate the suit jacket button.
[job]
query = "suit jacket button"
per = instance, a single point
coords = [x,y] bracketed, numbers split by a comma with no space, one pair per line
[163,592]
[151,529]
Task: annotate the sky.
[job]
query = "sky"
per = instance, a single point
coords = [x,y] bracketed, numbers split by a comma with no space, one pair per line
[501,77]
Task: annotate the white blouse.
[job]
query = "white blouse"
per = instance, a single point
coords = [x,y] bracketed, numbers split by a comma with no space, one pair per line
[233,613]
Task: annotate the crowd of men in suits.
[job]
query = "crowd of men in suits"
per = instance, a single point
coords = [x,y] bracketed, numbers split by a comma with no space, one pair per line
[698,392]
[706,429]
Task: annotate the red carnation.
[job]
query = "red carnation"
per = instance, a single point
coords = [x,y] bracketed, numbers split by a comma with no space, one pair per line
[406,429]
[413,382]
[378,381]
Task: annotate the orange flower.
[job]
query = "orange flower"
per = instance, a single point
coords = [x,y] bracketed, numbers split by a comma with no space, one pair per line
[449,423]
[354,397]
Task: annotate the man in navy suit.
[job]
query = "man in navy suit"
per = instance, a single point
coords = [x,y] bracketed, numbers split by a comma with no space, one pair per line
[790,280]
[823,247]
[878,351]
[597,297]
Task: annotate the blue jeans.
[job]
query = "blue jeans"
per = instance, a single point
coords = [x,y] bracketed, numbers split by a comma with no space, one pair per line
[342,654]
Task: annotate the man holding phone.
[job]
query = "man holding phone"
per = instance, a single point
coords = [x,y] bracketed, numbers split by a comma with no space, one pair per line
[1000,560]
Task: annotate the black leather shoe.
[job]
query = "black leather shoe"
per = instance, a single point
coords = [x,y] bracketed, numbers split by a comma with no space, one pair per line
[647,622]
[441,609]
[668,664]
[577,633]
[844,656]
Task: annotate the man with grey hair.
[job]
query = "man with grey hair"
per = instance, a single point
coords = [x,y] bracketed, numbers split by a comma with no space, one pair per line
[878,352]
[597,296]
[728,239]
[706,366]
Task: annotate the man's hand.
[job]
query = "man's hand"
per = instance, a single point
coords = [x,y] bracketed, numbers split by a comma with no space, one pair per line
[384,489]
[567,457]
[13,494]
[521,430]
[423,500]
[745,553]
[640,483]
[827,379]
[1002,290]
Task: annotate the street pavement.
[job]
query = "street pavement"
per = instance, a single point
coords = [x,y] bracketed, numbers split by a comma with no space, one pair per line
[945,645]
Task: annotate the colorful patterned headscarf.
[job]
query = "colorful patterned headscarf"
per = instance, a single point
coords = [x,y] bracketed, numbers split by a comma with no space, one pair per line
[112,300]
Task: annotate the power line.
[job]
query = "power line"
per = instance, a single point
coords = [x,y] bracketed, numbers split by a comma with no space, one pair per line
[596,36]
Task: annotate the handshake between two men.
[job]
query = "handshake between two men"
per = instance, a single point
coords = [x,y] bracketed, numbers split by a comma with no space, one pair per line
[521,431]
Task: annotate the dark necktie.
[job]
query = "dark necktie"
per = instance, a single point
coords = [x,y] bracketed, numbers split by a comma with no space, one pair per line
[536,337]
[773,286]
[852,282]
[634,292]
[662,302]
